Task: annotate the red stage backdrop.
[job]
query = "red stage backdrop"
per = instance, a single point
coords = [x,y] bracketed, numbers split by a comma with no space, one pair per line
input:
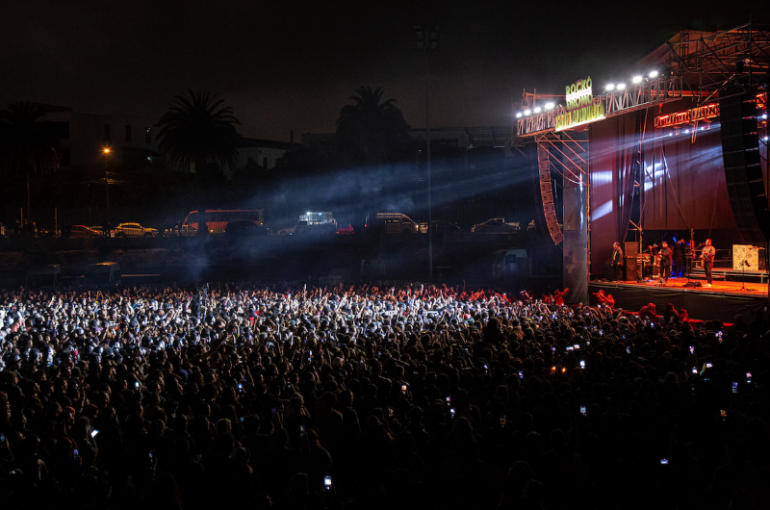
[613,143]
[683,182]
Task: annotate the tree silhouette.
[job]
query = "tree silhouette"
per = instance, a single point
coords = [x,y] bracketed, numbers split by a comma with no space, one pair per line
[28,143]
[197,131]
[370,131]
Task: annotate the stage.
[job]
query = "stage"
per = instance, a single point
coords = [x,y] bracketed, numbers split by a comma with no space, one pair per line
[723,301]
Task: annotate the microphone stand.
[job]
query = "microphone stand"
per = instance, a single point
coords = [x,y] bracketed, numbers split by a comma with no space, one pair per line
[744,263]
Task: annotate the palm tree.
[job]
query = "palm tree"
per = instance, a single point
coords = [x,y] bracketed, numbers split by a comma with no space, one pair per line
[370,131]
[28,143]
[197,131]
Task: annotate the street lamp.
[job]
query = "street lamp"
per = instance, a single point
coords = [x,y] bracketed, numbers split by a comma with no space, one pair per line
[427,41]
[106,152]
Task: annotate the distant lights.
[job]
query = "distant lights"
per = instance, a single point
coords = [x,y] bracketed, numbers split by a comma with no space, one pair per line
[621,86]
[653,74]
[637,79]
[518,115]
[686,130]
[538,109]
[610,86]
[549,106]
[527,112]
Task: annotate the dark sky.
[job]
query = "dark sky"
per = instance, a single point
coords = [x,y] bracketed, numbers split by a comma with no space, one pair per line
[287,64]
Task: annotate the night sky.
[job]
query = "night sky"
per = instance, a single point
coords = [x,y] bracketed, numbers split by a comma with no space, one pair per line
[292,64]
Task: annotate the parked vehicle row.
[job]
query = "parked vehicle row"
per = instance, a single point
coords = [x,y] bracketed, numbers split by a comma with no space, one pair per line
[247,222]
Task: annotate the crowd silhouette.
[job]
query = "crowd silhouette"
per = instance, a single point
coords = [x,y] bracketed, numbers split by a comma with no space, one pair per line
[364,397]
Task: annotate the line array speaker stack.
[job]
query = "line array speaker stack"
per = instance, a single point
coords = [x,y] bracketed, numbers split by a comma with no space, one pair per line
[546,192]
[743,171]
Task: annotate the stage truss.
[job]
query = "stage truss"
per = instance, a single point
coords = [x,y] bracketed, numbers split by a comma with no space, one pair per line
[714,61]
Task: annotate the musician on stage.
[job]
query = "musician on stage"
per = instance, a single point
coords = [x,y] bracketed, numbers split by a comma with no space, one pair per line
[665,262]
[648,261]
[707,255]
[617,261]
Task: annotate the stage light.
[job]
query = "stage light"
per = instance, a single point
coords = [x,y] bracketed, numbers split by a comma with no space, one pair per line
[637,79]
[621,86]
[518,115]
[671,134]
[527,112]
[549,106]
[610,86]
[653,74]
[686,130]
[538,109]
[764,117]
[765,138]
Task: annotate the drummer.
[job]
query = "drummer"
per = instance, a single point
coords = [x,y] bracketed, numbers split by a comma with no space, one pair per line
[649,257]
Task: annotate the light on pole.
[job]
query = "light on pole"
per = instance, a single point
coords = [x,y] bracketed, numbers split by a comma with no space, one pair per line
[106,152]
[427,41]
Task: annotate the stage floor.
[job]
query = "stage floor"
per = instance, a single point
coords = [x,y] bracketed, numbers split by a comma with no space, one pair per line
[723,301]
[719,287]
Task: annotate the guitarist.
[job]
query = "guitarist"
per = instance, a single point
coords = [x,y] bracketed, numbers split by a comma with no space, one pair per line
[707,255]
[617,261]
[665,262]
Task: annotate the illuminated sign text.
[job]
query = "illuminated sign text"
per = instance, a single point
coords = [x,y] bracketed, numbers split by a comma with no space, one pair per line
[581,107]
[708,111]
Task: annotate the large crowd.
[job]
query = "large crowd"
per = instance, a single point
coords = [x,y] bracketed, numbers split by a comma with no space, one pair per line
[363,397]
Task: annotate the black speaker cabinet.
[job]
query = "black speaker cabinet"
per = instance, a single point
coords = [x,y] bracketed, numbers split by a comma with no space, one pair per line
[632,270]
[743,172]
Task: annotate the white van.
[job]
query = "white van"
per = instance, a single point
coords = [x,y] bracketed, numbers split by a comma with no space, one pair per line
[103,273]
[396,223]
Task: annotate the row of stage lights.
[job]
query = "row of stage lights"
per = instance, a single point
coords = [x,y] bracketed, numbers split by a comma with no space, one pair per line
[609,88]
[635,80]
[526,113]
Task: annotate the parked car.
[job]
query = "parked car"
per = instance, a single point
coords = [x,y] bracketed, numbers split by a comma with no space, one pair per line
[495,226]
[440,227]
[82,231]
[180,231]
[244,228]
[394,223]
[346,230]
[133,230]
[47,231]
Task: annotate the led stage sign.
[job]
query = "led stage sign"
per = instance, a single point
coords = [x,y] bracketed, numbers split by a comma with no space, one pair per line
[581,107]
[708,111]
